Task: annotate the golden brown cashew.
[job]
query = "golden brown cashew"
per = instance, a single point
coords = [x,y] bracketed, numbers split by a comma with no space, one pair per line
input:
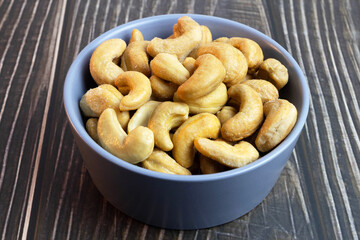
[133,148]
[233,60]
[210,103]
[226,113]
[190,35]
[249,117]
[273,71]
[189,64]
[209,166]
[280,119]
[166,116]
[135,58]
[267,91]
[161,162]
[162,89]
[168,67]
[136,36]
[140,90]
[102,67]
[206,38]
[142,115]
[222,39]
[232,156]
[91,128]
[200,125]
[251,50]
[208,75]
[96,100]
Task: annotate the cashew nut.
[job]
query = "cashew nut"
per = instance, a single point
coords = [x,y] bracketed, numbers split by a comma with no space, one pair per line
[91,128]
[135,58]
[189,64]
[200,125]
[161,162]
[210,103]
[222,39]
[162,89]
[234,61]
[251,50]
[142,115]
[208,75]
[206,38]
[249,117]
[168,67]
[102,67]
[140,89]
[190,35]
[209,166]
[280,119]
[166,116]
[267,91]
[226,113]
[133,148]
[136,36]
[232,156]
[273,71]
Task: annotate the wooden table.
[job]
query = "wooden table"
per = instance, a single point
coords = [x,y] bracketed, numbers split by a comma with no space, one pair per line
[45,190]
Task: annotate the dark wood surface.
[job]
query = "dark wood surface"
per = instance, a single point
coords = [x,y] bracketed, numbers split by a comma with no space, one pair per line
[45,190]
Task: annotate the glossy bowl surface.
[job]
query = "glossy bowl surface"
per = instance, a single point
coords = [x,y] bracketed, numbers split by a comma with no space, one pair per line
[172,201]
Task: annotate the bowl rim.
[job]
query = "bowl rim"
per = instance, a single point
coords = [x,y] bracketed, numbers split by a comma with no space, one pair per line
[293,136]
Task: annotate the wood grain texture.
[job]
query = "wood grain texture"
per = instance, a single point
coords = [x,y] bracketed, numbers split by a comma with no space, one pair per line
[45,190]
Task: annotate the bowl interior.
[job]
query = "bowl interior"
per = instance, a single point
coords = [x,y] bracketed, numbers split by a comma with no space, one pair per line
[79,80]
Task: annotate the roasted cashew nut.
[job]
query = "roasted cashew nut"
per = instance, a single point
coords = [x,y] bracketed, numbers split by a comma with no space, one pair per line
[162,89]
[210,103]
[189,64]
[273,71]
[136,36]
[232,156]
[209,74]
[133,148]
[135,58]
[251,50]
[267,91]
[249,117]
[233,60]
[200,125]
[140,89]
[206,38]
[91,128]
[142,115]
[189,37]
[280,119]
[102,66]
[168,67]
[226,113]
[208,166]
[161,162]
[165,117]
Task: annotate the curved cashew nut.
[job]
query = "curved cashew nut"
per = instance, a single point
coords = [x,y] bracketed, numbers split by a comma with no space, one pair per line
[200,125]
[249,117]
[189,64]
[232,156]
[142,115]
[210,103]
[208,75]
[161,162]
[102,66]
[280,119]
[140,90]
[251,50]
[166,116]
[162,89]
[273,71]
[168,67]
[208,166]
[91,128]
[206,38]
[222,39]
[133,148]
[190,35]
[136,36]
[226,113]
[135,58]
[234,61]
[267,91]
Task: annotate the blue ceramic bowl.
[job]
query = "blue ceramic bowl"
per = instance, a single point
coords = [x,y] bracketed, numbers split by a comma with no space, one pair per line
[173,201]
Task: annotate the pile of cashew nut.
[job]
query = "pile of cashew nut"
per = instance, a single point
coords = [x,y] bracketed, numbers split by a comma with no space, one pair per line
[186,104]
